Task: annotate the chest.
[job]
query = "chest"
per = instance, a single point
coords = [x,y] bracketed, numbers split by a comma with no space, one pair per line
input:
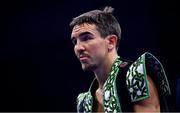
[98,101]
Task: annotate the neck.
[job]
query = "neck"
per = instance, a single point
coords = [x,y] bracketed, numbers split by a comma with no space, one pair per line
[103,71]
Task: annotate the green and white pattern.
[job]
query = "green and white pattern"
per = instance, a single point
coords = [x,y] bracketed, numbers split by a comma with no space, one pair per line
[136,77]
[110,98]
[136,80]
[86,100]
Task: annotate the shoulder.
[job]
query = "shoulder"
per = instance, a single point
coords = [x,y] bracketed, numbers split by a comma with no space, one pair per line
[81,97]
[137,80]
[84,101]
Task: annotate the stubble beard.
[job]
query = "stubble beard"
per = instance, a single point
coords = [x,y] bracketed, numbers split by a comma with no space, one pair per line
[88,67]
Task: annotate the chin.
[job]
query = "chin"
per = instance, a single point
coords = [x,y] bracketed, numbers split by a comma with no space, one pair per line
[88,67]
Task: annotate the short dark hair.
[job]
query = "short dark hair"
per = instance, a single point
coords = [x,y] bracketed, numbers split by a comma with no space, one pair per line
[104,20]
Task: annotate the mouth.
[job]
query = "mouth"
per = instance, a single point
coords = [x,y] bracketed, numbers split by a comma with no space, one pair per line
[83,58]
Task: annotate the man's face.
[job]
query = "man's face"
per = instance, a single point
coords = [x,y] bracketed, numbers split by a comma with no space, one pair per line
[90,48]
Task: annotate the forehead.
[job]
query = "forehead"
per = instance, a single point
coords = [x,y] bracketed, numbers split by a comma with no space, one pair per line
[78,29]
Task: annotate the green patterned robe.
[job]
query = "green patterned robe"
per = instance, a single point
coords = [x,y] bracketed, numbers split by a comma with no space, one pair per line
[136,83]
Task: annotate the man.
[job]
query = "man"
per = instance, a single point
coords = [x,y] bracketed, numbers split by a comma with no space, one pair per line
[119,85]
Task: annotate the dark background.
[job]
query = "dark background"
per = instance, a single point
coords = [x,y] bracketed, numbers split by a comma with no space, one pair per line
[39,71]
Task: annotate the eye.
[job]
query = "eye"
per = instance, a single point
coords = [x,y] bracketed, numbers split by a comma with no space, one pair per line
[86,38]
[74,41]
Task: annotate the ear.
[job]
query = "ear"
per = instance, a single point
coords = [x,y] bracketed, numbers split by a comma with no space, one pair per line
[111,42]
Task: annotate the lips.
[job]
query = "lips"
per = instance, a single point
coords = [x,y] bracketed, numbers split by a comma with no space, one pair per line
[83,57]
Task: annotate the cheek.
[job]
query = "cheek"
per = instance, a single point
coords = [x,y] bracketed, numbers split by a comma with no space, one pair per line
[75,51]
[99,48]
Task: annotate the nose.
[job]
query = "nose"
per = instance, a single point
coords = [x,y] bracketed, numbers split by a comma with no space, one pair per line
[79,47]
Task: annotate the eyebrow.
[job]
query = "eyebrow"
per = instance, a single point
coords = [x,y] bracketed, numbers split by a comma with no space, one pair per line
[82,34]
[85,33]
